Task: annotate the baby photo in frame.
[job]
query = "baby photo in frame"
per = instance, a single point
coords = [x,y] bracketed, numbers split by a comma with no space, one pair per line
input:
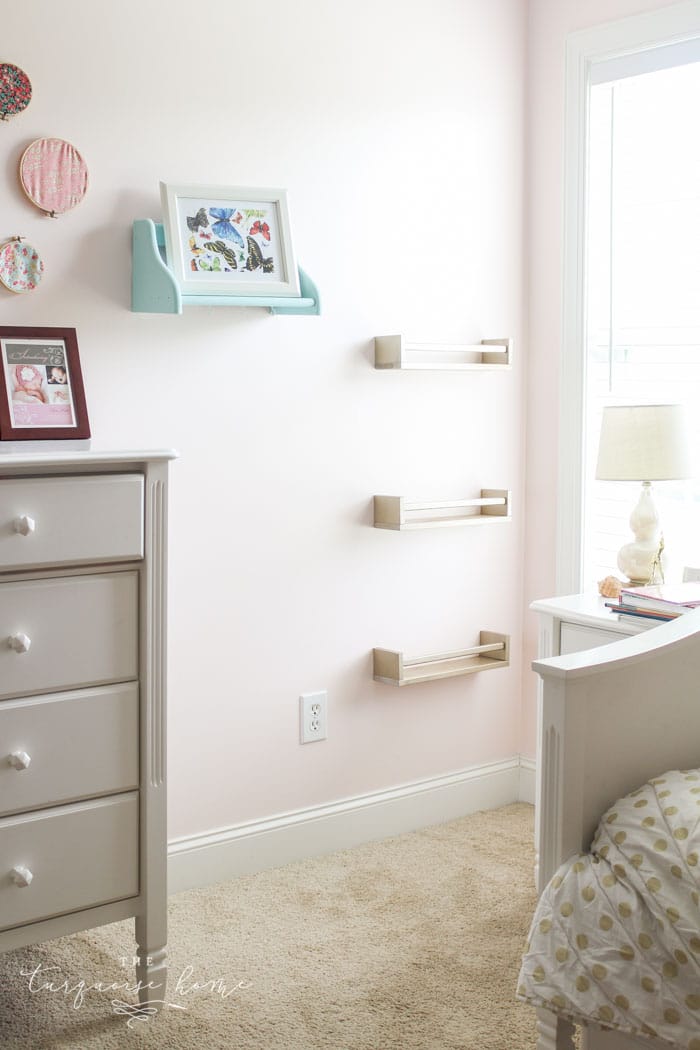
[41,385]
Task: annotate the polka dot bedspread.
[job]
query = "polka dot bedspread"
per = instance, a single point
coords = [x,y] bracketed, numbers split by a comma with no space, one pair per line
[616,934]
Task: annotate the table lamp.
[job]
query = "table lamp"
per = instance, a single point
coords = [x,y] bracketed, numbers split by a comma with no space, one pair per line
[642,443]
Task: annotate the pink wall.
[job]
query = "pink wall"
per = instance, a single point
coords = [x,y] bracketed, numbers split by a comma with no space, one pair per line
[550,22]
[397,129]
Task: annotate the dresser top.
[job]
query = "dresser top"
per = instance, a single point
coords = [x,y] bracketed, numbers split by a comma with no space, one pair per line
[13,456]
[54,459]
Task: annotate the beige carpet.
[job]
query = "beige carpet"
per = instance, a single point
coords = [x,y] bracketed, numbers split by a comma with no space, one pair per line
[412,943]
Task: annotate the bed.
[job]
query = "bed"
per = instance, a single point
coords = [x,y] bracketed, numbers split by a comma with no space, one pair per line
[615,721]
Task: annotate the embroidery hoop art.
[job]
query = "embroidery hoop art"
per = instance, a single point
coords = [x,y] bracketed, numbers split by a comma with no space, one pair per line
[21,266]
[54,175]
[15,90]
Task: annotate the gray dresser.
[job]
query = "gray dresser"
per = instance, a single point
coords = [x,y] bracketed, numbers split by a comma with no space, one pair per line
[82,698]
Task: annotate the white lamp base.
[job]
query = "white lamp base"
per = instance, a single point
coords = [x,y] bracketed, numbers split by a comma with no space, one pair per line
[636,559]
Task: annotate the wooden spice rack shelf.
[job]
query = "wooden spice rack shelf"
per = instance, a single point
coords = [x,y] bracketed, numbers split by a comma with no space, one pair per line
[394,351]
[399,513]
[393,668]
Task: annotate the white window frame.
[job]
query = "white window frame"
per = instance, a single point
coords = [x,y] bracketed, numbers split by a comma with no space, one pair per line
[585,51]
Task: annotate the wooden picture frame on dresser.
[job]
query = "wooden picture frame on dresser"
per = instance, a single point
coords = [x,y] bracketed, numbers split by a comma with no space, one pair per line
[42,396]
[83,556]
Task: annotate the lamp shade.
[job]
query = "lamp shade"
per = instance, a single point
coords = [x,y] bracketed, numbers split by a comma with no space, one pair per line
[643,443]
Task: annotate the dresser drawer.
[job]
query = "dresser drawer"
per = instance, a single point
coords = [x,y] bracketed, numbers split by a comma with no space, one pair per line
[79,856]
[67,746]
[79,520]
[80,631]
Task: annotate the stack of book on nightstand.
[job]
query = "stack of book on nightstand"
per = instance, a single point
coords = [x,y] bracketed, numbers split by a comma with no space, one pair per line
[658,602]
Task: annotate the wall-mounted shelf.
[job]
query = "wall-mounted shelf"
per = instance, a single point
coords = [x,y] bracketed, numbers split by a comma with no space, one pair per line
[154,289]
[394,351]
[400,513]
[492,652]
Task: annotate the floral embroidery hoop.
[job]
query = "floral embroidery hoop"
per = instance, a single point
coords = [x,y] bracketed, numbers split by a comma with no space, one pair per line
[53,175]
[15,90]
[21,266]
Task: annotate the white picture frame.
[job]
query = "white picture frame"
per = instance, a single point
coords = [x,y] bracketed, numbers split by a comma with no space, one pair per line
[229,241]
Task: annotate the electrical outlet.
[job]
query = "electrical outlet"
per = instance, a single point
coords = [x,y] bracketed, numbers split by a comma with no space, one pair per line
[313,717]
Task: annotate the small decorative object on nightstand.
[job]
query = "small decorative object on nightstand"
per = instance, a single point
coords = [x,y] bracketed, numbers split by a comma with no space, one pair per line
[610,587]
[657,569]
[642,443]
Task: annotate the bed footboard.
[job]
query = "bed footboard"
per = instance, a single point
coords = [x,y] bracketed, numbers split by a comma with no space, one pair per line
[611,718]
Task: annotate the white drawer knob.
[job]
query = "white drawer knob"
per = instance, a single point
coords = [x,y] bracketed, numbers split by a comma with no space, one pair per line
[21,876]
[19,642]
[20,759]
[24,524]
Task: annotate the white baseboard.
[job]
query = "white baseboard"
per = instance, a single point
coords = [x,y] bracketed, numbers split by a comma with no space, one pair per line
[526,791]
[199,860]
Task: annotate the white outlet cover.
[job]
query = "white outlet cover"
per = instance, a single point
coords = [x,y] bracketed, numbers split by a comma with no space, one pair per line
[313,717]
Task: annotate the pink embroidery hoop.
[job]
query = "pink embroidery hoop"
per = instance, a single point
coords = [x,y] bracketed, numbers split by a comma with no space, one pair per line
[53,175]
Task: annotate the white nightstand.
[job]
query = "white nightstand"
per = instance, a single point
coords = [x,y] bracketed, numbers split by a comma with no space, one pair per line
[581,621]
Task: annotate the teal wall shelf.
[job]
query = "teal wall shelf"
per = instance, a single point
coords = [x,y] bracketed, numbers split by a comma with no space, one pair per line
[155,291]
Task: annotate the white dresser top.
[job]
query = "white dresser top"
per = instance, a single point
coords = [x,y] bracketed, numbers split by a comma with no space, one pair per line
[16,456]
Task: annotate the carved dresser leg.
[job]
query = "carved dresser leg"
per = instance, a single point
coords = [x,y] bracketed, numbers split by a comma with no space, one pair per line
[152,967]
[152,919]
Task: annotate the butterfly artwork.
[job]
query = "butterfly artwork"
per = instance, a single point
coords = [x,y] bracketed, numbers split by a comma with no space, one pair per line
[260,228]
[228,241]
[227,253]
[223,227]
[211,264]
[255,259]
[195,221]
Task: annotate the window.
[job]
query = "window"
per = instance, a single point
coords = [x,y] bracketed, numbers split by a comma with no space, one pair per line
[631,325]
[643,291]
